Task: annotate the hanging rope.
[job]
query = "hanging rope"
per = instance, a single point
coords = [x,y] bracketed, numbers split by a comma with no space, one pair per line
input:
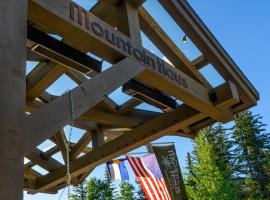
[67,144]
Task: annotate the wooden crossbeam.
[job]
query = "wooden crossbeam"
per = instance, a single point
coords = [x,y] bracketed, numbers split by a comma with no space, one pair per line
[60,141]
[148,95]
[155,33]
[193,26]
[41,77]
[154,129]
[47,163]
[80,146]
[127,106]
[114,119]
[200,62]
[86,25]
[51,118]
[159,37]
[62,53]
[136,3]
[166,123]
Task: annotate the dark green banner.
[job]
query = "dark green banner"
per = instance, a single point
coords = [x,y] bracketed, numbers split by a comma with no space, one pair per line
[170,168]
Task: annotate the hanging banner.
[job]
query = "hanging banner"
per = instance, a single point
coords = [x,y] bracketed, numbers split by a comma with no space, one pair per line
[170,168]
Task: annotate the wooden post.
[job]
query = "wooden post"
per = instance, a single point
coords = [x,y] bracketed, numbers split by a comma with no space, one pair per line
[13,21]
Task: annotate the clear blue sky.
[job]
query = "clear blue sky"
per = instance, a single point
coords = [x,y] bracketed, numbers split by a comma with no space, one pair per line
[242,27]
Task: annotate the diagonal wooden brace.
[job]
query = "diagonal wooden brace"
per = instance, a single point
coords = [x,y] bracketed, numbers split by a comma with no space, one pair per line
[46,121]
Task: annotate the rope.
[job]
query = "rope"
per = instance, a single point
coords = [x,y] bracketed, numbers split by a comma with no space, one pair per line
[67,144]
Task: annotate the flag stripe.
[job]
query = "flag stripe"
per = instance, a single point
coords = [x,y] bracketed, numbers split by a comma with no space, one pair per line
[145,185]
[166,189]
[162,189]
[153,180]
[116,170]
[150,183]
[141,179]
[153,186]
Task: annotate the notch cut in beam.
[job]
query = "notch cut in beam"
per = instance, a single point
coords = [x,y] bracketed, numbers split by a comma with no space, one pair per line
[61,52]
[148,95]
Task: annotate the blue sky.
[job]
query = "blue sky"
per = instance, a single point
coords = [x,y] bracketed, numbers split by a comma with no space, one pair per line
[242,27]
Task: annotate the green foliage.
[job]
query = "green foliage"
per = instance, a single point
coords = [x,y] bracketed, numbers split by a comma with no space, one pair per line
[252,147]
[209,173]
[100,189]
[127,191]
[79,192]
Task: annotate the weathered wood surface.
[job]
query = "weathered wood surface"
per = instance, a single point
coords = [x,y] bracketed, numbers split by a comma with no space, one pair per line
[13,19]
[112,32]
[51,118]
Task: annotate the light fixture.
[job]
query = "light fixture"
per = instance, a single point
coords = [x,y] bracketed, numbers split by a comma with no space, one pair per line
[149,95]
[61,52]
[184,39]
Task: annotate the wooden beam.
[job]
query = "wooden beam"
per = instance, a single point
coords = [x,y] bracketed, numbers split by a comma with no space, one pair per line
[200,35]
[13,20]
[51,118]
[61,53]
[159,37]
[114,119]
[167,78]
[31,174]
[128,21]
[127,106]
[60,141]
[80,146]
[200,62]
[98,138]
[49,164]
[41,77]
[149,95]
[136,3]
[32,56]
[164,124]
[149,131]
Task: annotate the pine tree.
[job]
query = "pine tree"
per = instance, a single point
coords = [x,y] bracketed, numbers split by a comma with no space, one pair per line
[209,174]
[98,189]
[110,188]
[190,175]
[252,145]
[127,191]
[79,192]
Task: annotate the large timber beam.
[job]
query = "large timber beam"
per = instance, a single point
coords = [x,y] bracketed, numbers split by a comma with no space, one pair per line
[62,53]
[164,124]
[60,140]
[115,119]
[46,121]
[41,77]
[159,37]
[49,164]
[13,20]
[155,33]
[98,36]
[193,26]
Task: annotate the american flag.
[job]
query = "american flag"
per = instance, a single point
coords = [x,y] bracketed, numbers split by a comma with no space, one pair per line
[149,176]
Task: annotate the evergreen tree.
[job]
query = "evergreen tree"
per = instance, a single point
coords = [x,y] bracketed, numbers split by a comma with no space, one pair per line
[140,193]
[110,188]
[209,174]
[127,191]
[252,145]
[79,192]
[101,189]
[190,175]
